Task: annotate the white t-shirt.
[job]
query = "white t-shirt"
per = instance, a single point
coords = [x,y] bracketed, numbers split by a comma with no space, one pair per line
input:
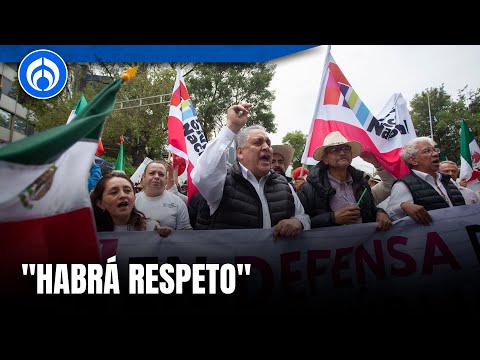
[168,209]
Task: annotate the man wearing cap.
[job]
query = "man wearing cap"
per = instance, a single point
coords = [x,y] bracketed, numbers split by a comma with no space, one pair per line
[282,157]
[248,194]
[334,187]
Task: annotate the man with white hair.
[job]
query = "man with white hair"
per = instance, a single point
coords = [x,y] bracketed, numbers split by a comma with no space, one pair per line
[248,194]
[424,188]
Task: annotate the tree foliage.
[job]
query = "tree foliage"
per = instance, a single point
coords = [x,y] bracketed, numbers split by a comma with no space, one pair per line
[297,140]
[144,127]
[446,114]
[215,87]
[52,112]
[212,87]
[472,99]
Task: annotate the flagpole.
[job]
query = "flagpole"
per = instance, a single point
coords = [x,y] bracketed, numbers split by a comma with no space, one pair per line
[430,116]
[318,104]
[324,75]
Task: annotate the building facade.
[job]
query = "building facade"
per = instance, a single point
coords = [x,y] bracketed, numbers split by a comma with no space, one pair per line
[13,116]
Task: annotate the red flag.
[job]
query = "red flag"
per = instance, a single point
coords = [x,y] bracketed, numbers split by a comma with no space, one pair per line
[100,149]
[339,108]
[185,135]
[179,164]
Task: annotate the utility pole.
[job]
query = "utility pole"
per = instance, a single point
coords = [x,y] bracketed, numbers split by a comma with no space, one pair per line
[430,116]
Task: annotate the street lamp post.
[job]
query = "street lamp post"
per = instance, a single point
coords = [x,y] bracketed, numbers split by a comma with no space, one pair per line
[430,116]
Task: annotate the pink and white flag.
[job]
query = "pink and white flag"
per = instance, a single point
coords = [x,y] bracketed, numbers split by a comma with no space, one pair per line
[185,135]
[339,108]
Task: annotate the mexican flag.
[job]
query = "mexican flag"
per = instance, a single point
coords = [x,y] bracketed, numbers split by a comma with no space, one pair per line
[79,106]
[45,209]
[469,154]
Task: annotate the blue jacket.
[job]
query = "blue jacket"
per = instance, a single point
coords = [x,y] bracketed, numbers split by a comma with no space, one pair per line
[95,175]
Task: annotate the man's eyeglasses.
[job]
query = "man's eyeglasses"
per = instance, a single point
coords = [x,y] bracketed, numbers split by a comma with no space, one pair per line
[430,150]
[336,150]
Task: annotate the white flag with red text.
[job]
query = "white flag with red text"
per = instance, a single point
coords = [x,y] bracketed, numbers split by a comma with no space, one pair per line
[185,135]
[339,108]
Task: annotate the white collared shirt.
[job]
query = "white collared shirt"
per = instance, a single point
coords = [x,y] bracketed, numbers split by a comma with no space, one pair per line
[401,193]
[469,195]
[211,171]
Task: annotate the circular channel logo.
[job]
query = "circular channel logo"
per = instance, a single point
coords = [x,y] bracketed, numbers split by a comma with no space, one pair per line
[42,74]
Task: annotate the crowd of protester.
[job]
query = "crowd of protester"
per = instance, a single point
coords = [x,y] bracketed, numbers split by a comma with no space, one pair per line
[255,191]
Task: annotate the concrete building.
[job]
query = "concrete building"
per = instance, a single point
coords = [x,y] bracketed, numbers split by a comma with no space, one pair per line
[13,123]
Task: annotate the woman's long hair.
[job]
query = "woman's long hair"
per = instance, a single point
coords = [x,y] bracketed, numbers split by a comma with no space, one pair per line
[103,219]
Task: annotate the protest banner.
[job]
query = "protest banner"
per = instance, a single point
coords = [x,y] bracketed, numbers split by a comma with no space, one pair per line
[344,269]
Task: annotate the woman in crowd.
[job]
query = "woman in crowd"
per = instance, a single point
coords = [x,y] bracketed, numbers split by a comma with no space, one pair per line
[156,203]
[113,202]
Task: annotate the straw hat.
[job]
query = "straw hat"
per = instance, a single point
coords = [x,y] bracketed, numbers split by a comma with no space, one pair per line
[286,151]
[336,138]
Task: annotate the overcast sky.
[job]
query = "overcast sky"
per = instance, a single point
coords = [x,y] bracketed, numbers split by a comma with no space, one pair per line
[374,71]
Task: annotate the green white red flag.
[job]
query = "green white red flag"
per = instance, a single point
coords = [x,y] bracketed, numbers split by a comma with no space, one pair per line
[469,154]
[79,106]
[45,209]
